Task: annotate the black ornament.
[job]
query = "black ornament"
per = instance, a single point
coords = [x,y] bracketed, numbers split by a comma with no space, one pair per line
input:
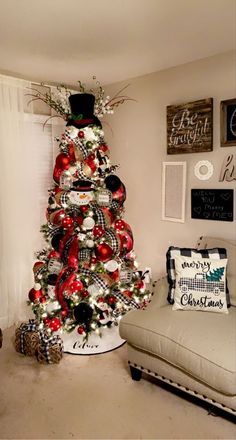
[83,313]
[55,241]
[52,279]
[112,182]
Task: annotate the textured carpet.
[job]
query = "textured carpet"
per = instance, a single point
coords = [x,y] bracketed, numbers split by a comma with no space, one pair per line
[93,397]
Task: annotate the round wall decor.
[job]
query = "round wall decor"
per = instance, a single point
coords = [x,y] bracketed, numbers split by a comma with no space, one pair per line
[203,169]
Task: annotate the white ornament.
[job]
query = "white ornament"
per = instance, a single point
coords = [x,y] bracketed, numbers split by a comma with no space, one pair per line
[200,167]
[88,223]
[90,244]
[89,134]
[111,266]
[37,286]
[72,131]
[93,289]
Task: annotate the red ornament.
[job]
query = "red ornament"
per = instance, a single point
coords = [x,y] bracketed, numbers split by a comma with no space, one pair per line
[81,134]
[43,299]
[63,161]
[73,262]
[114,275]
[103,252]
[94,260]
[54,324]
[101,299]
[84,294]
[35,293]
[111,300]
[76,286]
[119,225]
[53,254]
[67,222]
[98,231]
[64,313]
[80,330]
[84,208]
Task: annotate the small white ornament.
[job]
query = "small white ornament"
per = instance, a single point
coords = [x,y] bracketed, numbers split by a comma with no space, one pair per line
[111,266]
[88,223]
[200,167]
[90,244]
[93,289]
[72,131]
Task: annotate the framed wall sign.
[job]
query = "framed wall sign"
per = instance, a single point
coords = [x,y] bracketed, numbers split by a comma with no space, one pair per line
[212,204]
[228,123]
[190,127]
[173,191]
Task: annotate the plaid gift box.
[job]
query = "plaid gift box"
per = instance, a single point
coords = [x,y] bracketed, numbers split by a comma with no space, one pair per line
[27,338]
[49,350]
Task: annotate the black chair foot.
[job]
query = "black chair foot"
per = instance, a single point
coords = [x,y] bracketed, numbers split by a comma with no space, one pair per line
[135,373]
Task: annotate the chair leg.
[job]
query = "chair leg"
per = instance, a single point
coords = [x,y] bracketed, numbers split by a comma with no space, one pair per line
[135,373]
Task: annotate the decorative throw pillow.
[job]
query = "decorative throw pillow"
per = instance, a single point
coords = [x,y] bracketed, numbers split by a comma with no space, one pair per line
[200,284]
[214,253]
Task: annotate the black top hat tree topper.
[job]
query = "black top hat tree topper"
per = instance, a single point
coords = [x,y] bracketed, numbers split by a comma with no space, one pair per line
[89,241]
[82,109]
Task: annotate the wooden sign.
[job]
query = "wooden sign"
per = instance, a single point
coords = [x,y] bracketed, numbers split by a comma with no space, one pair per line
[228,123]
[190,127]
[212,204]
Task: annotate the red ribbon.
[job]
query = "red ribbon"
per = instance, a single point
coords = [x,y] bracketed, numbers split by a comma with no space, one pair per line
[82,121]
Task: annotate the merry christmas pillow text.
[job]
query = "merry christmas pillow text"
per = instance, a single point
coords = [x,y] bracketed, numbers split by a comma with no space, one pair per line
[200,284]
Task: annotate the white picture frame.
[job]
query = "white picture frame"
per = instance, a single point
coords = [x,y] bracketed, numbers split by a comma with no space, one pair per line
[173,191]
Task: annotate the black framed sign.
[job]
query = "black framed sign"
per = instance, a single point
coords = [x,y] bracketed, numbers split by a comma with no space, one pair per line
[228,123]
[212,204]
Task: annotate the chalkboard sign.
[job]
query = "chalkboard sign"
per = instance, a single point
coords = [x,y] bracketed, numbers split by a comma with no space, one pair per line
[212,204]
[228,123]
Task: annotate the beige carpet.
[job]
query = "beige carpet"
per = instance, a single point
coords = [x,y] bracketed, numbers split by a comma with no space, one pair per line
[93,397]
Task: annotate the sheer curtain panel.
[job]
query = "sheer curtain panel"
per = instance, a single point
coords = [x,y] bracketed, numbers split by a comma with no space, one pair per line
[19,208]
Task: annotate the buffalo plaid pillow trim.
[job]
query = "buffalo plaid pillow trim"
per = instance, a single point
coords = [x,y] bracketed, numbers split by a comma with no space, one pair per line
[215,253]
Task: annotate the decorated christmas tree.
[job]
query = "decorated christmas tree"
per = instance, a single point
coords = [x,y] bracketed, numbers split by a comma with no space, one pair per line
[86,277]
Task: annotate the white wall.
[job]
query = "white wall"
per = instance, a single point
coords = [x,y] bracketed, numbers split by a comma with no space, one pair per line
[136,135]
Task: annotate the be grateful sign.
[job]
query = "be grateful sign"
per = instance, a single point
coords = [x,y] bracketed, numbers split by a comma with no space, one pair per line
[190,127]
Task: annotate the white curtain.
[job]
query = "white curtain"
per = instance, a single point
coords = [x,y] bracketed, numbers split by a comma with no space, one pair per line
[25,177]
